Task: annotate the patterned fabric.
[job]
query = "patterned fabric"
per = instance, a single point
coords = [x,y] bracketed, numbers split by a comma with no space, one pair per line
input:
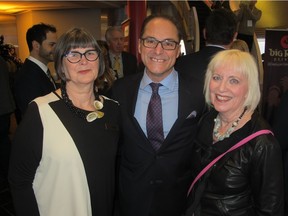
[154,122]
[117,67]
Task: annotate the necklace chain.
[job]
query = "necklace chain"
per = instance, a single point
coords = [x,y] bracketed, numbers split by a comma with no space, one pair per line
[77,111]
[230,130]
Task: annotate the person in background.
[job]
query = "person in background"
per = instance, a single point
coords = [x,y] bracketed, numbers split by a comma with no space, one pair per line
[240,45]
[63,155]
[106,81]
[280,128]
[220,31]
[247,181]
[247,16]
[156,150]
[34,78]
[7,107]
[14,63]
[122,62]
[8,53]
[217,4]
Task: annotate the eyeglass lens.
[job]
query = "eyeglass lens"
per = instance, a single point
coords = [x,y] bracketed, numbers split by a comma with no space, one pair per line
[153,43]
[74,57]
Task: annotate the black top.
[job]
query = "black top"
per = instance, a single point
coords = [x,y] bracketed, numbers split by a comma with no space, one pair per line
[246,181]
[43,147]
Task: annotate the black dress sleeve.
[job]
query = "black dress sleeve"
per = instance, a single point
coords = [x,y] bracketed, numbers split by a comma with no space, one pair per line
[26,154]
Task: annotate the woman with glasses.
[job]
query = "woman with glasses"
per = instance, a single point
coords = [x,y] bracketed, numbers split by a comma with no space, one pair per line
[63,154]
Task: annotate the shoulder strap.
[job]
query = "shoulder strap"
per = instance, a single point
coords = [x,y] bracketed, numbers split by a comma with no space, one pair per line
[239,144]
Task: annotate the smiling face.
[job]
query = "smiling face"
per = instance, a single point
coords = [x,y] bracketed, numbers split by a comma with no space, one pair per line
[83,72]
[159,62]
[228,90]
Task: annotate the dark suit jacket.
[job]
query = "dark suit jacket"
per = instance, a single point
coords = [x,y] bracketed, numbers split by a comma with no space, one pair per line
[156,183]
[195,64]
[129,62]
[30,83]
[7,102]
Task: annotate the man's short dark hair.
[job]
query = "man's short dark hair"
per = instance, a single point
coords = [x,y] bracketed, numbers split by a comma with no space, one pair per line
[38,33]
[162,16]
[220,26]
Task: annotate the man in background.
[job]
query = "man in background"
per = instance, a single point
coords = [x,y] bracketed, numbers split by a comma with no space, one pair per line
[219,32]
[34,78]
[122,63]
[247,16]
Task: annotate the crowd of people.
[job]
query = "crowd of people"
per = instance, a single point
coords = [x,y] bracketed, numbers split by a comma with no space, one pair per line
[180,135]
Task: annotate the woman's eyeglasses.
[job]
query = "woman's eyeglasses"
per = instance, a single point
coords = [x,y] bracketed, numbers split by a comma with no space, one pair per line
[75,57]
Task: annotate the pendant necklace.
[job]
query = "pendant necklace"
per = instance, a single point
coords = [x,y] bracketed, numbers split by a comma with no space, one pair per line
[91,116]
[230,130]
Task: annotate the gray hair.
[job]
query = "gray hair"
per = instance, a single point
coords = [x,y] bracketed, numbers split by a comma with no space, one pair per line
[109,31]
[75,38]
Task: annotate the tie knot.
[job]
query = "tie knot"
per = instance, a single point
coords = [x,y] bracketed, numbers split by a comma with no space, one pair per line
[116,57]
[155,87]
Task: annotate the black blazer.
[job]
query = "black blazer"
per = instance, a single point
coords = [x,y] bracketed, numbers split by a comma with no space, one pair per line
[156,183]
[129,62]
[195,64]
[7,102]
[30,83]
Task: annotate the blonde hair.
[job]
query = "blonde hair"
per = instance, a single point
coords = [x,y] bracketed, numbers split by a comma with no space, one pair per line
[240,45]
[243,63]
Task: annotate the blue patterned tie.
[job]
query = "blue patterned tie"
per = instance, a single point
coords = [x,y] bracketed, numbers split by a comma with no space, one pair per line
[154,123]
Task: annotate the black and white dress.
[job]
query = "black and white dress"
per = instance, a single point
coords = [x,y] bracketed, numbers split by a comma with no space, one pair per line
[62,165]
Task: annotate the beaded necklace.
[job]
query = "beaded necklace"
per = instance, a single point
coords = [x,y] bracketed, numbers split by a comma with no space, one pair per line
[79,112]
[227,134]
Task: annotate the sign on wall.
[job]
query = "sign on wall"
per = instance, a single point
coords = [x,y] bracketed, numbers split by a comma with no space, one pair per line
[275,80]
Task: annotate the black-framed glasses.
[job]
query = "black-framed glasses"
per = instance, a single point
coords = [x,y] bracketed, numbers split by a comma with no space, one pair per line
[75,56]
[166,44]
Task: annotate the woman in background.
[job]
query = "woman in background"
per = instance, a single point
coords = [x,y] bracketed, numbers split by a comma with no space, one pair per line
[240,45]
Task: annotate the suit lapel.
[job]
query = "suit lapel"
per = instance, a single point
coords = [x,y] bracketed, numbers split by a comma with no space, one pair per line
[124,66]
[189,101]
[185,98]
[132,95]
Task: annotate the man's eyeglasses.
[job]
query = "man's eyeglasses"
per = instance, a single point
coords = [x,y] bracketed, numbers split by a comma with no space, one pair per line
[75,57]
[153,43]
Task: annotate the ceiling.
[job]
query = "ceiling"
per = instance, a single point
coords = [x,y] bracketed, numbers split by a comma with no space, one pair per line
[8,9]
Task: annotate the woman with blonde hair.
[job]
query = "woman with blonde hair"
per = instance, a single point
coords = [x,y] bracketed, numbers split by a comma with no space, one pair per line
[246,179]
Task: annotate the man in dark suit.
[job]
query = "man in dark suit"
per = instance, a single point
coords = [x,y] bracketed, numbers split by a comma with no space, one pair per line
[34,78]
[123,63]
[219,32]
[155,168]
